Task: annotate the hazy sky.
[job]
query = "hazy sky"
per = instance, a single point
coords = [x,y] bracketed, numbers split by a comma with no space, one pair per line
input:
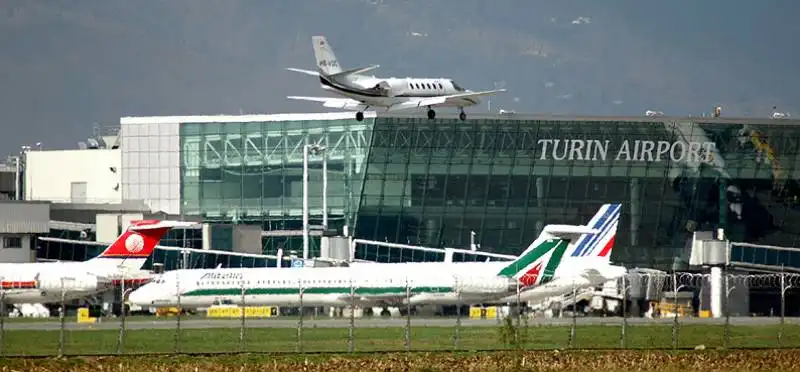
[69,64]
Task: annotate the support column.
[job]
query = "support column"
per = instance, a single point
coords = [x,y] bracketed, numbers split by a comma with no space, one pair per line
[540,193]
[636,210]
[717,292]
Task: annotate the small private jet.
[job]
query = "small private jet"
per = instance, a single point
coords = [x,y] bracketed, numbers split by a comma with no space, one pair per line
[393,94]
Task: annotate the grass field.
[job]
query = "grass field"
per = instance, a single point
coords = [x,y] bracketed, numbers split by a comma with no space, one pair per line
[662,361]
[277,340]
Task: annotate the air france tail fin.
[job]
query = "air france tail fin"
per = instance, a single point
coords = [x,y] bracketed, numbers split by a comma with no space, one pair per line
[131,249]
[326,60]
[538,263]
[598,246]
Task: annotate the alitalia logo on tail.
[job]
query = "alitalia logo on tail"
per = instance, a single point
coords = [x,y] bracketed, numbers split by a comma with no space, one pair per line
[538,264]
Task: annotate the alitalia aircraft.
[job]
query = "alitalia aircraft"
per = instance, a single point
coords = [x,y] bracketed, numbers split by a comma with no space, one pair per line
[393,94]
[545,260]
[44,282]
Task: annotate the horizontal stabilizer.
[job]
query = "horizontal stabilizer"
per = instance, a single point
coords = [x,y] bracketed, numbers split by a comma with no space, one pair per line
[339,103]
[569,231]
[354,71]
[307,72]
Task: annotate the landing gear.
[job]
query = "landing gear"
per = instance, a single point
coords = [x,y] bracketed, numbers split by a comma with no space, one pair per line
[462,116]
[431,114]
[359,116]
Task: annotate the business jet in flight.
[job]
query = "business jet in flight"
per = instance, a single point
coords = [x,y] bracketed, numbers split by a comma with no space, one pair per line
[393,94]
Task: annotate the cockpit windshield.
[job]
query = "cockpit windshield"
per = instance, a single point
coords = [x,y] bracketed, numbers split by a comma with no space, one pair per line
[456,86]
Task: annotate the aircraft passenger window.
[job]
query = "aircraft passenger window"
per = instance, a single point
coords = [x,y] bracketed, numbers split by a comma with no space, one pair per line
[441,86]
[409,86]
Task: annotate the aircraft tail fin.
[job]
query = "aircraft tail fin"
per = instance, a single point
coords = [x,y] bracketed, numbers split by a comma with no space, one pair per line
[538,263]
[326,59]
[131,249]
[597,247]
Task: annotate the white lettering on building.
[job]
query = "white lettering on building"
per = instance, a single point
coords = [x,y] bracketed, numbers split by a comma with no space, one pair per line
[637,150]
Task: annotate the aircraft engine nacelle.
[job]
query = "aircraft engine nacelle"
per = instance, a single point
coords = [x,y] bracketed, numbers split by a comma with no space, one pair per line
[484,285]
[54,283]
[388,88]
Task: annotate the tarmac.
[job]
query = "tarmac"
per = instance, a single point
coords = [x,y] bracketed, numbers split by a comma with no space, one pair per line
[394,322]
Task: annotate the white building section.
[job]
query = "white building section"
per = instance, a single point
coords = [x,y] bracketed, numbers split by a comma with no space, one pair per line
[73,176]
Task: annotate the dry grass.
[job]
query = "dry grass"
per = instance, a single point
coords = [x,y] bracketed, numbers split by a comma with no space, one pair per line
[706,361]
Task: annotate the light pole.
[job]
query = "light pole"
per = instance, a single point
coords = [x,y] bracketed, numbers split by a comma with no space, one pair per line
[314,150]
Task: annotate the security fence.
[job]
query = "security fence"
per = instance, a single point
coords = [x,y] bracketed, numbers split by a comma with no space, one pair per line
[659,311]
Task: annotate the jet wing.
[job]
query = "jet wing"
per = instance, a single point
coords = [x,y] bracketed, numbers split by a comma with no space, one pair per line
[438,100]
[339,103]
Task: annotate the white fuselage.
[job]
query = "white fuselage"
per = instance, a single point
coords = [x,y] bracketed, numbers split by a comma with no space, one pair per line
[50,282]
[385,92]
[362,285]
[575,280]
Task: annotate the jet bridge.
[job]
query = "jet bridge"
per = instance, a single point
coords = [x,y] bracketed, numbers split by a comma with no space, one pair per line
[707,251]
[716,253]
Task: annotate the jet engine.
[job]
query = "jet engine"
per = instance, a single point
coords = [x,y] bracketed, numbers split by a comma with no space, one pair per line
[388,88]
[55,283]
[484,285]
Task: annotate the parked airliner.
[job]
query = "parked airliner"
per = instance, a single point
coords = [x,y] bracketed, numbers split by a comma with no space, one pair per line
[393,284]
[44,282]
[392,94]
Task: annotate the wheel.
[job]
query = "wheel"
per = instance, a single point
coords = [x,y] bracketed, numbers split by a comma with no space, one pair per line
[431,114]
[359,116]
[462,116]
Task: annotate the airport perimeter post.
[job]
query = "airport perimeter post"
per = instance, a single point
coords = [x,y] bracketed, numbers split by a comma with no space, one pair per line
[457,334]
[623,340]
[573,326]
[305,200]
[2,323]
[62,316]
[178,317]
[351,327]
[121,335]
[784,288]
[299,345]
[243,325]
[407,335]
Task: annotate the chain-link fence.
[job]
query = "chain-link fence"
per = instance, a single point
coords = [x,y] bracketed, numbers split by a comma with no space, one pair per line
[663,311]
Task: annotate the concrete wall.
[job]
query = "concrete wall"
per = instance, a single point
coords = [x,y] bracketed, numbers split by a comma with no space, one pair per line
[25,253]
[247,239]
[55,175]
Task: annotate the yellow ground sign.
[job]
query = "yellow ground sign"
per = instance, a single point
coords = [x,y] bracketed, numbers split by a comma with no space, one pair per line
[477,312]
[83,316]
[236,312]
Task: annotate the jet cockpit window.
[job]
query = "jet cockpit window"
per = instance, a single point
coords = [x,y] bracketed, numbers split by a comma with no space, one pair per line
[457,87]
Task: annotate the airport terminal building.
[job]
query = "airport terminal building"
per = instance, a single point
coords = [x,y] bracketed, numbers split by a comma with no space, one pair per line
[407,179]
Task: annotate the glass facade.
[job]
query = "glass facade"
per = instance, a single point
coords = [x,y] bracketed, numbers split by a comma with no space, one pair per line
[413,181]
